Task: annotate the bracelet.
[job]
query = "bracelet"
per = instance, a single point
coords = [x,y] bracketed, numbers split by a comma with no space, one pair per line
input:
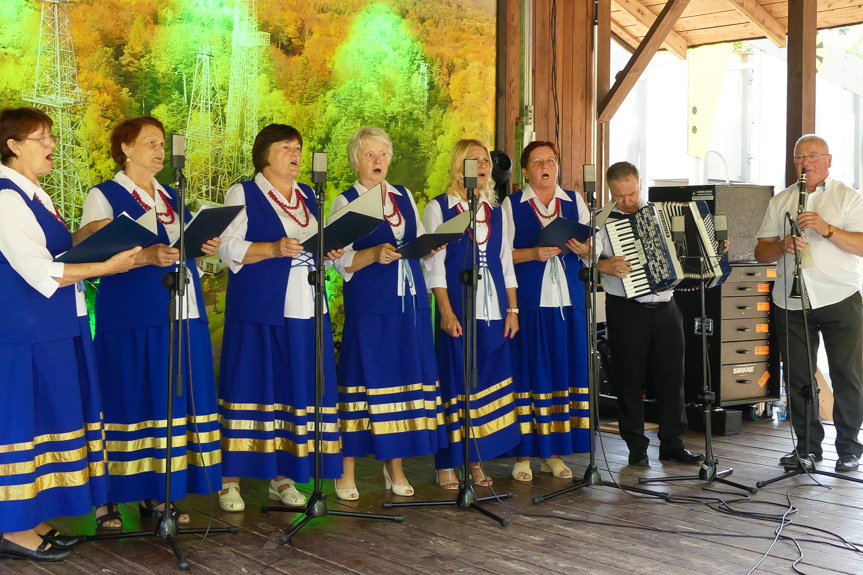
[512,310]
[830,231]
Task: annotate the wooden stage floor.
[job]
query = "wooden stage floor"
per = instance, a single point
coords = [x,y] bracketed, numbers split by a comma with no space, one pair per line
[608,532]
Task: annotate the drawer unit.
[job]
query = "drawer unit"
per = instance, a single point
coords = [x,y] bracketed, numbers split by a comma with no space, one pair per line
[743,360]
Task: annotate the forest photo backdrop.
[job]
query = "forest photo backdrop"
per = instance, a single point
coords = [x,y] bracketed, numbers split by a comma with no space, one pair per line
[424,71]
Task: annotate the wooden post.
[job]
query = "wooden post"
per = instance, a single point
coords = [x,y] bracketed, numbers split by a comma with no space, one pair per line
[603,84]
[800,119]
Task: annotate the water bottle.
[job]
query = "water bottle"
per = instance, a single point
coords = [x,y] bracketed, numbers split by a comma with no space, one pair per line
[780,407]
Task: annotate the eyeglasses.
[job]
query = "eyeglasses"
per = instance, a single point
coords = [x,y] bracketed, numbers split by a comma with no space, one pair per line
[44,140]
[810,157]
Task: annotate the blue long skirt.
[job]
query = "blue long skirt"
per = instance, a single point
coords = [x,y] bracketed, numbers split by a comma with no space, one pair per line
[133,373]
[389,394]
[52,459]
[492,403]
[267,400]
[550,372]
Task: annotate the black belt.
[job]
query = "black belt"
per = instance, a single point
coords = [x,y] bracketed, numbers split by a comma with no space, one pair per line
[648,305]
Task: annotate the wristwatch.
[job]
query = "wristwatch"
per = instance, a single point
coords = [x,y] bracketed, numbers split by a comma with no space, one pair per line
[830,231]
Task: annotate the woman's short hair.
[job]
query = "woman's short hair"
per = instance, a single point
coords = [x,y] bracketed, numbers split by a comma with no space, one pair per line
[528,150]
[126,132]
[269,136]
[456,171]
[363,136]
[17,124]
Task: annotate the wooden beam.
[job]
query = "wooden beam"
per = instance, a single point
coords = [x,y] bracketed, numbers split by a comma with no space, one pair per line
[603,83]
[641,58]
[624,35]
[753,11]
[800,106]
[673,42]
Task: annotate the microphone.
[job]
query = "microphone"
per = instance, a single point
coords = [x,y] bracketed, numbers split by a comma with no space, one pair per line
[801,191]
[470,177]
[589,172]
[178,151]
[319,168]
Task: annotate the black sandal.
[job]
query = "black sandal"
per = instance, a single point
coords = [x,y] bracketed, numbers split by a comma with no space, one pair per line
[113,514]
[147,508]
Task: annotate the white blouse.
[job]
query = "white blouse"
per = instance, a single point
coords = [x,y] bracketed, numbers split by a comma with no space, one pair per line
[555,288]
[398,231]
[300,295]
[23,242]
[97,207]
[488,307]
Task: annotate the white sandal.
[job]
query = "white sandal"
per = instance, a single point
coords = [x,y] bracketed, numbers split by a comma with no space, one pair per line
[289,496]
[231,501]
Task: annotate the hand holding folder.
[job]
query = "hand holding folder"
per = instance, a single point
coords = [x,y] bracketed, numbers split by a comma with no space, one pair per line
[123,233]
[350,223]
[444,234]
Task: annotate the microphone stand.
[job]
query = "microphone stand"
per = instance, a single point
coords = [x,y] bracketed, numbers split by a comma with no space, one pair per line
[175,281]
[316,506]
[466,498]
[590,275]
[805,463]
[707,472]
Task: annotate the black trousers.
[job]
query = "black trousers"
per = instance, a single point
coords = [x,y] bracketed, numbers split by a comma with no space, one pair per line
[646,342]
[841,326]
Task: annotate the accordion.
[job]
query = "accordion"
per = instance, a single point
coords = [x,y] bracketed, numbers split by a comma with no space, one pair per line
[647,246]
[644,239]
[700,255]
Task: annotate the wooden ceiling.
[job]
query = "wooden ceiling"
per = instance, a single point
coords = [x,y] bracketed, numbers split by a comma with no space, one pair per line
[715,21]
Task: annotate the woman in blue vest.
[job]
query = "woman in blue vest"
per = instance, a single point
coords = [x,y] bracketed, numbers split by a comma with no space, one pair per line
[550,351]
[51,449]
[132,344]
[389,396]
[267,374]
[493,428]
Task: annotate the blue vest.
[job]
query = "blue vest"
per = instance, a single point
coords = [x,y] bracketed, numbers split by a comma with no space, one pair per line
[458,259]
[256,293]
[29,316]
[136,298]
[372,290]
[529,274]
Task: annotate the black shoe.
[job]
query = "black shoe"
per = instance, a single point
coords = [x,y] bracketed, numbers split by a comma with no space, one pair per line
[847,463]
[62,541]
[790,459]
[639,459]
[682,456]
[9,549]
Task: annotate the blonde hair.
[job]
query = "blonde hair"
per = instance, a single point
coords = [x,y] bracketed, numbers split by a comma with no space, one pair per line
[361,137]
[455,187]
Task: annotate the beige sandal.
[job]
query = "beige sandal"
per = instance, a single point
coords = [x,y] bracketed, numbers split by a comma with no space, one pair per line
[522,467]
[231,501]
[451,482]
[289,496]
[556,467]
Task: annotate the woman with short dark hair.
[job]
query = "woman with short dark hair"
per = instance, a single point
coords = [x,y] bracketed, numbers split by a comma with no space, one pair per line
[132,343]
[267,375]
[550,352]
[51,449]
